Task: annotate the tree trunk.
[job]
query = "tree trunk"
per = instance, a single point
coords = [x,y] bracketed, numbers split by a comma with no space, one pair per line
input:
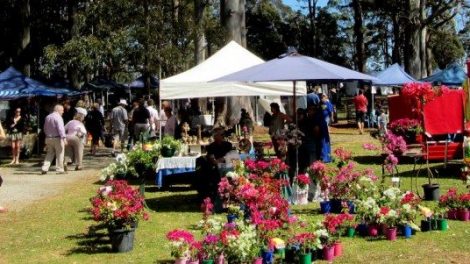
[233,20]
[422,39]
[199,43]
[312,8]
[23,57]
[359,35]
[412,39]
[397,43]
[72,71]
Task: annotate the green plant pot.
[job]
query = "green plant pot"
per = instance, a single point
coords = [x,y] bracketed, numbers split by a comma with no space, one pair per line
[305,258]
[443,224]
[167,152]
[350,232]
[208,261]
[280,253]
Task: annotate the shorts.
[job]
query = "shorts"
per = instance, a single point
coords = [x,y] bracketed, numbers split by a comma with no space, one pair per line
[360,116]
[18,136]
[118,134]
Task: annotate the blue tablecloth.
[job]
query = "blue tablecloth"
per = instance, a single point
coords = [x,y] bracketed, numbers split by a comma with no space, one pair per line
[173,166]
[167,172]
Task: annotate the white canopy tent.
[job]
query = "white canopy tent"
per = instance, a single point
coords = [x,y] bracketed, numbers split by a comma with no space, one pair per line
[194,83]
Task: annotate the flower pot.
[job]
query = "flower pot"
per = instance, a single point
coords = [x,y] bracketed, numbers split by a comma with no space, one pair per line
[167,152]
[464,214]
[336,206]
[258,261]
[325,207]
[268,256]
[352,207]
[350,232]
[338,249]
[231,218]
[280,253]
[328,253]
[406,231]
[221,259]
[291,253]
[362,229]
[208,261]
[434,225]
[181,261]
[431,192]
[391,233]
[305,258]
[122,240]
[425,225]
[443,224]
[301,196]
[452,214]
[373,230]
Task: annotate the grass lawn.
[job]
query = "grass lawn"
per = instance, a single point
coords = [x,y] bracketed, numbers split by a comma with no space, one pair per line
[55,230]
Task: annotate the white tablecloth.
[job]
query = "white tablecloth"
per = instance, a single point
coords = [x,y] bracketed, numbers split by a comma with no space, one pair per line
[176,162]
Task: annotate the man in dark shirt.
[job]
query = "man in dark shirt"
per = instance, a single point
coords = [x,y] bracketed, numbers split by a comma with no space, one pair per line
[141,120]
[207,172]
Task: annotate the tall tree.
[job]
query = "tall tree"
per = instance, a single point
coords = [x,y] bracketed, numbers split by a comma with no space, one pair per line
[360,58]
[23,51]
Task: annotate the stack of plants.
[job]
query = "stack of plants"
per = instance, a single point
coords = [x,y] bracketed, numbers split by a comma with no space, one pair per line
[456,205]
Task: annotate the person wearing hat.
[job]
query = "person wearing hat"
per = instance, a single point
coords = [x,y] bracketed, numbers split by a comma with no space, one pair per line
[119,120]
[95,124]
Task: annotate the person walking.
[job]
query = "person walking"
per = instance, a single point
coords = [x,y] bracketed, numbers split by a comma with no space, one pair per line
[360,103]
[55,140]
[171,123]
[15,131]
[154,116]
[94,122]
[76,136]
[141,119]
[119,120]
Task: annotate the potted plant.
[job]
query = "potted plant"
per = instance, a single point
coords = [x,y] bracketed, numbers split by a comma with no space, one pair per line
[116,170]
[181,242]
[119,207]
[210,248]
[233,212]
[301,189]
[409,128]
[306,243]
[169,146]
[442,223]
[143,161]
[464,212]
[450,201]
[391,218]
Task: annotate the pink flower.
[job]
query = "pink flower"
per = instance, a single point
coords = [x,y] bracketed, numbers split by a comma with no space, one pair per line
[369,146]
[180,235]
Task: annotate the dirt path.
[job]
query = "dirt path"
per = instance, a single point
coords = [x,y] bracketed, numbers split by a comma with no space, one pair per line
[24,184]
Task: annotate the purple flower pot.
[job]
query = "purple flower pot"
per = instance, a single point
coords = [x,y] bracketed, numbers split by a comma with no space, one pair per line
[391,233]
[464,214]
[373,230]
[328,253]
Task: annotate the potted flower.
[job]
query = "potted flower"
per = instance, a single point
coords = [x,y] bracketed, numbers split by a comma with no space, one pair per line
[464,213]
[241,243]
[349,225]
[450,201]
[210,249]
[391,218]
[301,188]
[116,170]
[144,162]
[409,128]
[181,242]
[233,212]
[194,252]
[119,207]
[169,146]
[306,243]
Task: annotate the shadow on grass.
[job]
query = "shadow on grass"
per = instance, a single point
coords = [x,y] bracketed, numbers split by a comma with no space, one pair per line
[369,160]
[174,203]
[93,242]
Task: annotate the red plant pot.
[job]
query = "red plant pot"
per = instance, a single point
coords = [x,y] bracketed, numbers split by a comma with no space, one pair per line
[258,261]
[328,253]
[452,214]
[464,214]
[391,233]
[338,249]
[373,230]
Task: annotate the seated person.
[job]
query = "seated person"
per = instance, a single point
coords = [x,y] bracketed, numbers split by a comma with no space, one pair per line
[207,171]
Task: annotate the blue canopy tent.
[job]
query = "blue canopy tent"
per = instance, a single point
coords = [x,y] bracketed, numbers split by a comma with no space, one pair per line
[393,76]
[14,85]
[140,83]
[453,75]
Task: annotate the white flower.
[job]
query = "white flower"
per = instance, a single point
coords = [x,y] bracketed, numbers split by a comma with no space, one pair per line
[121,158]
[105,190]
[232,174]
